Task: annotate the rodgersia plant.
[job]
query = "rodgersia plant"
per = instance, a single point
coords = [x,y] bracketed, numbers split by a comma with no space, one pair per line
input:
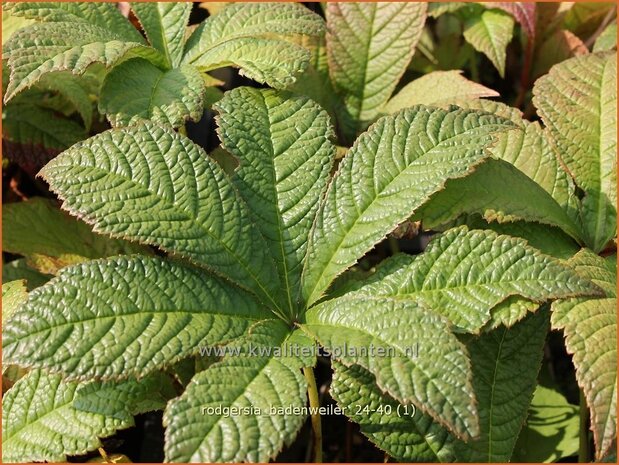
[256,262]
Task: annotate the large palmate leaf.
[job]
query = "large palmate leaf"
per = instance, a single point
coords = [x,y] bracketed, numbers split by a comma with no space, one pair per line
[235,410]
[148,183]
[253,38]
[590,328]
[403,432]
[505,367]
[464,274]
[577,101]
[437,88]
[490,31]
[38,228]
[389,172]
[369,46]
[282,143]
[126,317]
[409,349]
[40,422]
[164,25]
[137,90]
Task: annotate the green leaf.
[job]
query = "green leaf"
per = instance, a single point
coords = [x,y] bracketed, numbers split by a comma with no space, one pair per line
[74,90]
[404,433]
[165,25]
[389,172]
[66,46]
[252,37]
[133,314]
[285,155]
[369,46]
[551,430]
[437,88]
[499,192]
[489,32]
[104,15]
[577,101]
[125,399]
[315,81]
[137,90]
[464,274]
[12,23]
[247,387]
[590,328]
[548,240]
[505,367]
[560,46]
[529,150]
[14,294]
[38,226]
[410,349]
[607,40]
[40,424]
[150,184]
[27,124]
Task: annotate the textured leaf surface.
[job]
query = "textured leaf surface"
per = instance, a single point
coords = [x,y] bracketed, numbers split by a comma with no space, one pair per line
[164,25]
[285,155]
[390,171]
[251,383]
[415,357]
[490,32]
[125,316]
[102,14]
[577,101]
[151,184]
[498,191]
[14,294]
[438,88]
[38,226]
[464,274]
[405,435]
[66,46]
[39,423]
[369,46]
[551,429]
[137,90]
[590,328]
[125,399]
[253,38]
[505,367]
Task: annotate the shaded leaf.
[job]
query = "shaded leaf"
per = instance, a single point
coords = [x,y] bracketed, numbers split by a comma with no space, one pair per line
[137,90]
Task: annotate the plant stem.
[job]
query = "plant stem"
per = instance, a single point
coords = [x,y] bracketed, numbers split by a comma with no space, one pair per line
[583,448]
[104,455]
[314,401]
